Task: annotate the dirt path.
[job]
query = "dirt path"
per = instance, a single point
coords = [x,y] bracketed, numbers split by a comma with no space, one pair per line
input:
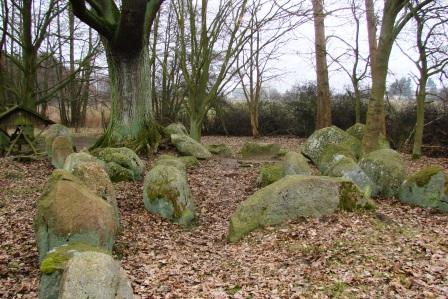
[397,251]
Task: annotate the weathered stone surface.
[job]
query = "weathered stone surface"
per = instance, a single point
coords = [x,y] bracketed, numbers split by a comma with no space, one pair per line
[68,211]
[75,159]
[357,130]
[61,149]
[220,150]
[168,160]
[347,168]
[53,265]
[187,146]
[295,163]
[386,169]
[316,144]
[270,174]
[96,275]
[175,128]
[292,197]
[166,192]
[52,132]
[93,175]
[252,150]
[292,163]
[427,188]
[189,161]
[327,159]
[122,163]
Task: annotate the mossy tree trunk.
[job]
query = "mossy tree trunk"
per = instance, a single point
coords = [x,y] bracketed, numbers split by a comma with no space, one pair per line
[125,35]
[379,53]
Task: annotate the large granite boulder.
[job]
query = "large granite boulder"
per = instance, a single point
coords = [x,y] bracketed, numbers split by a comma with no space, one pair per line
[122,164]
[221,150]
[292,163]
[358,130]
[427,188]
[386,169]
[291,198]
[68,211]
[347,168]
[295,163]
[168,160]
[316,144]
[75,159]
[327,159]
[187,146]
[93,175]
[175,128]
[269,174]
[82,271]
[52,132]
[166,192]
[60,150]
[252,150]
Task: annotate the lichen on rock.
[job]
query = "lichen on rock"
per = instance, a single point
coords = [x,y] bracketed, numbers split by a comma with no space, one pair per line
[428,188]
[253,150]
[220,150]
[270,174]
[293,197]
[187,146]
[317,143]
[166,192]
[61,148]
[386,169]
[121,163]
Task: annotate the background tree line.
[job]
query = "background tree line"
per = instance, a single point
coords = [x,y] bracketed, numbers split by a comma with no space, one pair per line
[179,60]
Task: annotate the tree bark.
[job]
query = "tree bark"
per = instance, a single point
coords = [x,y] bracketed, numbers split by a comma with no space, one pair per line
[254,120]
[420,122]
[323,111]
[131,93]
[196,126]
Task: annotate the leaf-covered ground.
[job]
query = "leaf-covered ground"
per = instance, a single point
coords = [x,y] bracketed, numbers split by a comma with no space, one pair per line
[395,252]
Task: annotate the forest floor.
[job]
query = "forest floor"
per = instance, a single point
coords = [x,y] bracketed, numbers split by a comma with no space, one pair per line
[396,251]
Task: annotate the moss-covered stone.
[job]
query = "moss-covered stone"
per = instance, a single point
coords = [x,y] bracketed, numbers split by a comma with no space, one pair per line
[68,212]
[270,174]
[175,128]
[52,132]
[295,163]
[187,146]
[93,175]
[220,150]
[122,163]
[168,160]
[75,159]
[166,192]
[316,144]
[61,149]
[386,169]
[427,188]
[252,150]
[358,130]
[189,161]
[327,159]
[291,198]
[347,168]
[56,259]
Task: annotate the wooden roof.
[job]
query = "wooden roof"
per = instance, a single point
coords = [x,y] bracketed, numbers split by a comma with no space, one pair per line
[19,115]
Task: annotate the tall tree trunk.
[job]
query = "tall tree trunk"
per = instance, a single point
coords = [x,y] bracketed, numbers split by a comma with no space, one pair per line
[420,122]
[254,120]
[323,111]
[131,98]
[196,126]
[357,103]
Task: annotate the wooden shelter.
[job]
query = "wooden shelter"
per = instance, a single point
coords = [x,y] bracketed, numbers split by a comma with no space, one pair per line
[23,121]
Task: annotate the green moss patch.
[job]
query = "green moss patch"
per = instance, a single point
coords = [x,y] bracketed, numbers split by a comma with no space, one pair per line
[57,259]
[270,174]
[422,177]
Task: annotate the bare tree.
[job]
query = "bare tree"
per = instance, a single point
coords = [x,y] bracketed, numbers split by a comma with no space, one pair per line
[267,30]
[323,108]
[431,43]
[395,16]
